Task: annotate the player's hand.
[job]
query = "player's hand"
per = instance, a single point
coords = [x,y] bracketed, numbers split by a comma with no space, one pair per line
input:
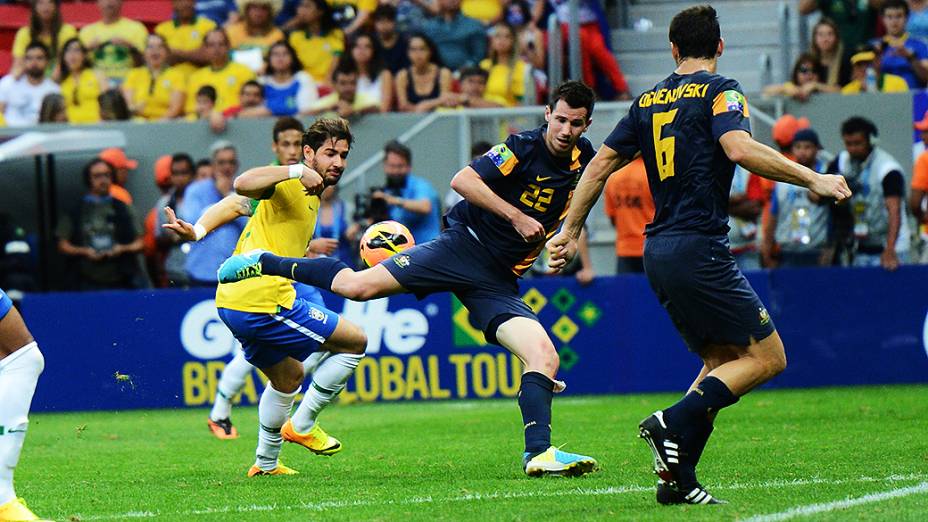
[529,228]
[312,181]
[889,260]
[323,245]
[180,227]
[830,186]
[561,249]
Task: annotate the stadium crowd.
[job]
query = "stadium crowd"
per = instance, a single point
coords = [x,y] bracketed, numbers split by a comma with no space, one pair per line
[274,59]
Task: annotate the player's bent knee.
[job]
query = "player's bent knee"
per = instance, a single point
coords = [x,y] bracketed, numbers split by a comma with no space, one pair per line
[543,358]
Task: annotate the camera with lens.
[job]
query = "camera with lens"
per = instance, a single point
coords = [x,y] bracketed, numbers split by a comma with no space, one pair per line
[367,207]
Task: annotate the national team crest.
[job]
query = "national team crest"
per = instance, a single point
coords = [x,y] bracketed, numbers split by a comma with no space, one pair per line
[503,158]
[317,315]
[764,316]
[401,261]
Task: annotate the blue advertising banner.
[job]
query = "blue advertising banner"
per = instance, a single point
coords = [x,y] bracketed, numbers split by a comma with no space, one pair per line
[154,349]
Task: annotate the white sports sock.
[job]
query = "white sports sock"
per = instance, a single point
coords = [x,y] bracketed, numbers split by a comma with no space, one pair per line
[19,373]
[328,381]
[273,410]
[230,384]
[313,361]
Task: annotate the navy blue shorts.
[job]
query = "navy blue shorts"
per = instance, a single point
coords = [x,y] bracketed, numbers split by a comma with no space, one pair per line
[269,338]
[457,262]
[697,280]
[5,304]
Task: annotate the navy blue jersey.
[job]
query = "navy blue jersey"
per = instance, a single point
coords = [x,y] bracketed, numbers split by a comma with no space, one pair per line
[676,126]
[526,175]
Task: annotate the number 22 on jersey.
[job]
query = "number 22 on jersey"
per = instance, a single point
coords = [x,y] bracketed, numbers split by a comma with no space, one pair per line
[663,147]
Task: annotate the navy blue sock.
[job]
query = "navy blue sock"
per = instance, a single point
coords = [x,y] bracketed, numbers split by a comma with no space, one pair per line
[318,272]
[535,395]
[692,412]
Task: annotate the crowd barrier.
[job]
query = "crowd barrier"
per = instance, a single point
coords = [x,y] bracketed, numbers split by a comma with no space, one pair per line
[166,349]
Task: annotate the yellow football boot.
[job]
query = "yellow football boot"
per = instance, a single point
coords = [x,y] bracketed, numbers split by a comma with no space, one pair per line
[316,440]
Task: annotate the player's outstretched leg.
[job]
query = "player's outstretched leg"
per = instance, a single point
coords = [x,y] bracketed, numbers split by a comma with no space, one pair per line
[329,378]
[230,384]
[527,339]
[273,410]
[19,373]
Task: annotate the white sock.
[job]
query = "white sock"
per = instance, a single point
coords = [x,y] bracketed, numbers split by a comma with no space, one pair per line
[19,373]
[328,381]
[230,384]
[313,361]
[273,410]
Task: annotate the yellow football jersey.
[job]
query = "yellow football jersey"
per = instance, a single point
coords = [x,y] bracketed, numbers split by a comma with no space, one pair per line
[154,94]
[282,224]
[185,37]
[227,81]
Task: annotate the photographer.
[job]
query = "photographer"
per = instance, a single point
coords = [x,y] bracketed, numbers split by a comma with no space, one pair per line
[409,199]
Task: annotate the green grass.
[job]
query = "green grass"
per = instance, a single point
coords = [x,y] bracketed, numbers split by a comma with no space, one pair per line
[461,461]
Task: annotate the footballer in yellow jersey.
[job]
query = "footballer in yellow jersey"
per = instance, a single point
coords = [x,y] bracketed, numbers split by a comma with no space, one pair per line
[277,327]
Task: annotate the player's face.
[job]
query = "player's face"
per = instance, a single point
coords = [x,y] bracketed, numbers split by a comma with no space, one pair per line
[894,20]
[857,145]
[805,153]
[288,147]
[330,159]
[565,126]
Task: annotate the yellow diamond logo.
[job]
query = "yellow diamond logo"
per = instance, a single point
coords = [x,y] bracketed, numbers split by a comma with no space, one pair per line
[565,329]
[535,300]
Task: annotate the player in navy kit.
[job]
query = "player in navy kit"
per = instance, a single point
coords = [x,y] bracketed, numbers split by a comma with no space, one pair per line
[515,198]
[691,129]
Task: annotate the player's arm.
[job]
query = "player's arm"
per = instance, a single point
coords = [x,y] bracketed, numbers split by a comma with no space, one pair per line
[227,210]
[259,182]
[760,159]
[468,183]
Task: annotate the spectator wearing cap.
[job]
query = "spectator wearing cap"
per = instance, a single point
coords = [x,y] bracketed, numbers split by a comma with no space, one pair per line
[872,226]
[100,234]
[796,233]
[254,33]
[223,75]
[117,158]
[208,253]
[918,199]
[184,35]
[172,251]
[461,39]
[902,54]
[867,75]
[393,44]
[114,41]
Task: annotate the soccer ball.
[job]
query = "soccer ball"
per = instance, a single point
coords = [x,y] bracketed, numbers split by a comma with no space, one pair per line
[382,240]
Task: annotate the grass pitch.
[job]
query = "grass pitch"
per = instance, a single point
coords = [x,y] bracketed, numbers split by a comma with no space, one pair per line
[828,454]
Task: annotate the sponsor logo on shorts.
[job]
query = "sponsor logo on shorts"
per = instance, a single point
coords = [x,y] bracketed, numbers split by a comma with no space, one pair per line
[317,315]
[763,316]
[401,261]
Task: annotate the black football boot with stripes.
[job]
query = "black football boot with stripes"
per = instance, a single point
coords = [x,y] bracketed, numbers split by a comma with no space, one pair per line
[677,484]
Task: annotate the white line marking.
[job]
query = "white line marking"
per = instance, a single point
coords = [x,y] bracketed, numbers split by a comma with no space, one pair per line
[800,511]
[491,495]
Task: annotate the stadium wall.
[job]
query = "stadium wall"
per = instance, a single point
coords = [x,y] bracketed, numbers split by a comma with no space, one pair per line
[166,349]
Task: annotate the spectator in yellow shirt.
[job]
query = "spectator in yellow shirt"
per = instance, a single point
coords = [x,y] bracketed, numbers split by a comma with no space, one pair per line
[317,40]
[508,73]
[155,91]
[45,25]
[184,35]
[254,33]
[115,41]
[80,84]
[226,76]
[866,75]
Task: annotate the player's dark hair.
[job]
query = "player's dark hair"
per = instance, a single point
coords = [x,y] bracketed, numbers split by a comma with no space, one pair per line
[575,94]
[35,44]
[209,91]
[859,125]
[183,157]
[398,148]
[325,129]
[92,164]
[895,4]
[695,32]
[284,124]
